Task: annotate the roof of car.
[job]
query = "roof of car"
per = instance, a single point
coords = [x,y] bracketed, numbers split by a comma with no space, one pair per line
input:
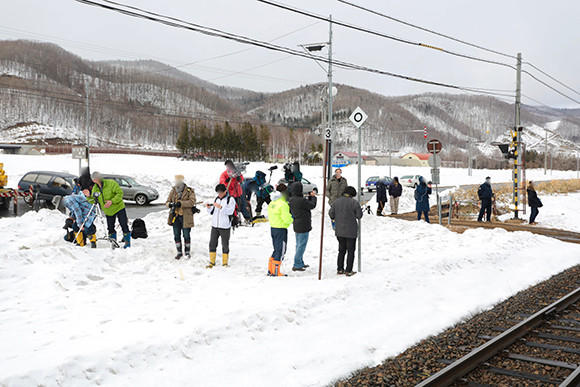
[111,175]
[52,173]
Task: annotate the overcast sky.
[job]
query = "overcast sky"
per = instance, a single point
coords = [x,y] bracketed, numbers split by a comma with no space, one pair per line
[546,33]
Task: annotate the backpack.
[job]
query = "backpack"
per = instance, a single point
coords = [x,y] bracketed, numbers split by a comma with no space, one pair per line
[417,196]
[480,192]
[139,229]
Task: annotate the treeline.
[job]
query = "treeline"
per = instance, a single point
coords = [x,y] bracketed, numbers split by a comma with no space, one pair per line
[223,141]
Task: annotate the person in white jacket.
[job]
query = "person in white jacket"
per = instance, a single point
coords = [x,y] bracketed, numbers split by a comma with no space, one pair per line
[221,211]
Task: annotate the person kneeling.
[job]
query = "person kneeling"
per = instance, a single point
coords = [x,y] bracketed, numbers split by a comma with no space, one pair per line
[82,218]
[221,211]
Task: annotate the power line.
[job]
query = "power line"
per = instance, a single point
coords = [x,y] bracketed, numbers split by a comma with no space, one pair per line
[550,87]
[380,34]
[427,30]
[551,77]
[174,22]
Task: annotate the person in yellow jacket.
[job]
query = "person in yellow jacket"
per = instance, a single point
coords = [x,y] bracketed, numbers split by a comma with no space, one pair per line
[280,219]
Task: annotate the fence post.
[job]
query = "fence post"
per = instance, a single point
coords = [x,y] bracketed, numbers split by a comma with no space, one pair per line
[450,209]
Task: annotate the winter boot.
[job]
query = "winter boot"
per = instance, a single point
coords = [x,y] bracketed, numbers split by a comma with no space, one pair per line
[127,240]
[93,240]
[271,266]
[225,258]
[212,256]
[187,247]
[113,236]
[276,266]
[80,239]
[178,247]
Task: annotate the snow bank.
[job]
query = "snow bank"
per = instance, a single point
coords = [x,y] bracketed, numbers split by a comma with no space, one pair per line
[77,317]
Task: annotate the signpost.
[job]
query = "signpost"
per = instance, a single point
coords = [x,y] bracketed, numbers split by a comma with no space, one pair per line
[434,147]
[80,152]
[358,117]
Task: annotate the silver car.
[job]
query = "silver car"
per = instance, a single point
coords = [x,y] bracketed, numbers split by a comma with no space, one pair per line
[134,191]
[307,186]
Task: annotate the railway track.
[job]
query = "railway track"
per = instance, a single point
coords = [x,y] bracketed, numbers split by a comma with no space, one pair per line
[505,359]
[563,235]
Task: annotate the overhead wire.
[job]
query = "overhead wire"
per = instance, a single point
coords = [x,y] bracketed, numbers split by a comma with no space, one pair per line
[381,34]
[550,87]
[551,77]
[178,23]
[427,30]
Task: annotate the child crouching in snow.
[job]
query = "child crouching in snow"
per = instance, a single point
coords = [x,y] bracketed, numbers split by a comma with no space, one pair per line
[280,219]
[81,220]
[221,212]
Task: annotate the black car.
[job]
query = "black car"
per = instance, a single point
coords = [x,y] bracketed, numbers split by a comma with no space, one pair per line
[48,184]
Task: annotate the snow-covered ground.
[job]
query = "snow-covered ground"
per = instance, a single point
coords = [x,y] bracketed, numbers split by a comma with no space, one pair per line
[73,316]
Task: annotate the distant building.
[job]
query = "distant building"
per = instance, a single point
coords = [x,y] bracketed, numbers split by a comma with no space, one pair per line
[417,159]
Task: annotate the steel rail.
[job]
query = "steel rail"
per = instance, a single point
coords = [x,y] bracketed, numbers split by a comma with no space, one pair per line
[483,353]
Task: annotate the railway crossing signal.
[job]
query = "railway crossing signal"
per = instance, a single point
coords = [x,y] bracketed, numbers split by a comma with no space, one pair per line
[425,132]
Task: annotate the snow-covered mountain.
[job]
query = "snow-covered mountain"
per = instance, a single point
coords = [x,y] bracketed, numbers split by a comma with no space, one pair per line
[143,103]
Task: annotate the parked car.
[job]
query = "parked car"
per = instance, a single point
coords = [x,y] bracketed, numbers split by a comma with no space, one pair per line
[307,186]
[371,183]
[47,185]
[410,180]
[134,191]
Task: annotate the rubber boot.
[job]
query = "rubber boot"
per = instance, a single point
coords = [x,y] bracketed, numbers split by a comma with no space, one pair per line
[271,266]
[113,236]
[178,247]
[187,248]
[212,256]
[80,239]
[93,240]
[277,272]
[127,240]
[225,259]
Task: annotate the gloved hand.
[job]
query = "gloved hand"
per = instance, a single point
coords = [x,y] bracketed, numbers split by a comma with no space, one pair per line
[239,178]
[227,179]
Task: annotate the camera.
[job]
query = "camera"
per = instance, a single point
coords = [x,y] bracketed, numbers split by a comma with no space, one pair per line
[195,210]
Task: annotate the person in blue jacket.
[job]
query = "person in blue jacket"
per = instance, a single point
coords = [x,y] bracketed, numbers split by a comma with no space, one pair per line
[259,186]
[82,218]
[485,194]
[422,193]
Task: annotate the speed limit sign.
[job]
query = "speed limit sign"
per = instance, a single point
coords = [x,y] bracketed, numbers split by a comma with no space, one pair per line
[328,134]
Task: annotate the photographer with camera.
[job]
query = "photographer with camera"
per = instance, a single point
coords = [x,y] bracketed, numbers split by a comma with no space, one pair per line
[181,202]
[232,178]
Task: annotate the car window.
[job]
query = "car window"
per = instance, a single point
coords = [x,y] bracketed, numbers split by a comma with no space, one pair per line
[131,181]
[30,177]
[43,179]
[304,181]
[406,177]
[60,182]
[122,182]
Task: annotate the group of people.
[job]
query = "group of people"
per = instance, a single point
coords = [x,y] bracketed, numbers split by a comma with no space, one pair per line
[394,191]
[90,191]
[486,196]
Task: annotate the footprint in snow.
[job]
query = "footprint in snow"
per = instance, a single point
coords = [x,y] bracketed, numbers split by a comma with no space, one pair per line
[94,277]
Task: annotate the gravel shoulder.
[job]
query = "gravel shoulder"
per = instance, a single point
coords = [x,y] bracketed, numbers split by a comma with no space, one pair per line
[426,357]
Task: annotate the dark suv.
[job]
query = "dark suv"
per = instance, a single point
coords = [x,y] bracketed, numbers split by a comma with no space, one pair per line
[48,184]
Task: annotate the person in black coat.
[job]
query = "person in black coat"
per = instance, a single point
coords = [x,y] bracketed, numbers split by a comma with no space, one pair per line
[395,192]
[485,194]
[381,197]
[346,212]
[301,208]
[534,202]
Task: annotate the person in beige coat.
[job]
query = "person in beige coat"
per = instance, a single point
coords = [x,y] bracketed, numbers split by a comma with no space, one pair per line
[181,202]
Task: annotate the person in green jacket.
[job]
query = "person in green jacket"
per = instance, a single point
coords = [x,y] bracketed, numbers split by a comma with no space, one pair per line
[110,198]
[280,219]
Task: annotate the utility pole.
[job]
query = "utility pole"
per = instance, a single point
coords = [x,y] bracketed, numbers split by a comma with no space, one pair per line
[469,156]
[87,119]
[329,142]
[518,159]
[390,148]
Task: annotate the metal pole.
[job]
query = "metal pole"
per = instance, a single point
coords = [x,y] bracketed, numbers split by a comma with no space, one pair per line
[358,194]
[546,153]
[577,166]
[390,153]
[87,120]
[518,159]
[323,208]
[329,143]
[469,156]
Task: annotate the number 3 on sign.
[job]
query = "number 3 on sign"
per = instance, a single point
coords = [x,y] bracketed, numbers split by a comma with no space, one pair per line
[327,134]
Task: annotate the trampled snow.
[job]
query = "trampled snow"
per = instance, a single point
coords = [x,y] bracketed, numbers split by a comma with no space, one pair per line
[74,316]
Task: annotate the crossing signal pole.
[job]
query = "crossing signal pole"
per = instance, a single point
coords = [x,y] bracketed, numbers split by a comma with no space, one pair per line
[517,136]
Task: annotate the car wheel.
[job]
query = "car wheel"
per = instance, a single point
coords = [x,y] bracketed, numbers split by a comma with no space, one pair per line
[141,199]
[315,190]
[29,199]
